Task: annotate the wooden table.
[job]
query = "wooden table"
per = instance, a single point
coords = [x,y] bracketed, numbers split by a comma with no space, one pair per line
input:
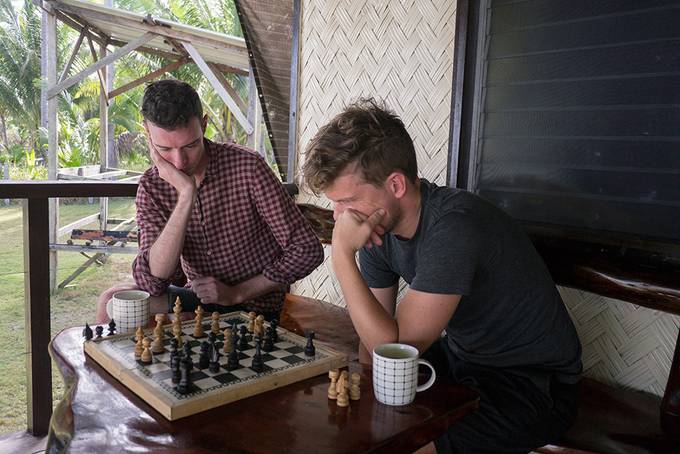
[98,414]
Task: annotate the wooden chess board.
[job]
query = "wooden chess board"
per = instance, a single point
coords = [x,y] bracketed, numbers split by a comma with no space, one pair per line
[285,364]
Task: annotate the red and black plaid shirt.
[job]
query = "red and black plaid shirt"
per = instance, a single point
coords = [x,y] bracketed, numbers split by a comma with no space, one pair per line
[243,223]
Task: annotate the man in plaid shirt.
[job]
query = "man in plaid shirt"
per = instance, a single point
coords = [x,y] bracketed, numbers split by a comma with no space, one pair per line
[214,215]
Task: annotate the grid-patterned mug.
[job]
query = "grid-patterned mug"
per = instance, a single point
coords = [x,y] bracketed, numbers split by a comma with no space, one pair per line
[395,374]
[129,309]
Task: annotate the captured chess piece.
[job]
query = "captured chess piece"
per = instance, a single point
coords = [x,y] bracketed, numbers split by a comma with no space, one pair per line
[112,327]
[87,332]
[215,326]
[354,390]
[342,388]
[310,350]
[139,347]
[332,391]
[99,330]
[146,357]
[198,327]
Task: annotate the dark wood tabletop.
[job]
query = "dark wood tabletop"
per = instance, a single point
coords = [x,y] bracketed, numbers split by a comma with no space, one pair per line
[98,414]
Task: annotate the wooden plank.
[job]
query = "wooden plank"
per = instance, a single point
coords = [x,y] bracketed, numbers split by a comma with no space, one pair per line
[75,224]
[99,250]
[214,81]
[118,53]
[227,86]
[152,75]
[37,294]
[76,48]
[41,189]
[293,98]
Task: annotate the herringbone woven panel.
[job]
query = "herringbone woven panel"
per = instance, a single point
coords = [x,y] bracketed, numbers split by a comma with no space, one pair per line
[398,51]
[623,344]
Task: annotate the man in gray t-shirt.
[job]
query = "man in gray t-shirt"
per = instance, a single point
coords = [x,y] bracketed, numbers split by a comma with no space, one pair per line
[472,271]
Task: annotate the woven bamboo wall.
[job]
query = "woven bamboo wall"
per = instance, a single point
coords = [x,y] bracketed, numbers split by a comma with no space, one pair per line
[402,51]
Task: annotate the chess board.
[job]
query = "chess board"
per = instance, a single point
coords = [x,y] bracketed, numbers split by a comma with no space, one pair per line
[285,364]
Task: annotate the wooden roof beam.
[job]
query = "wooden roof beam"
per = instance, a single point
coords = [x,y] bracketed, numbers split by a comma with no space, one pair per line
[219,88]
[152,75]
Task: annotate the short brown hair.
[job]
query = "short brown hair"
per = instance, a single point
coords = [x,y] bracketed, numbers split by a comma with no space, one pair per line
[365,134]
[170,104]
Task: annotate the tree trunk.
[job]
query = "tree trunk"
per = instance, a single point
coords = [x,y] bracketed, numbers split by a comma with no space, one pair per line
[4,131]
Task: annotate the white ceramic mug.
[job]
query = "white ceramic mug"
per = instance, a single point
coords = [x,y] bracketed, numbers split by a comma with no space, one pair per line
[129,309]
[395,374]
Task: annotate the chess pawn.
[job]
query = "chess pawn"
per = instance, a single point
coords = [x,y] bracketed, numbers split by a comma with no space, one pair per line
[177,331]
[157,346]
[177,309]
[215,327]
[227,340]
[354,390]
[146,357]
[332,389]
[139,347]
[198,327]
[343,383]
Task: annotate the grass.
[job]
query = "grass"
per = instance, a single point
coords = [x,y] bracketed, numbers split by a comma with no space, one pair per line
[70,307]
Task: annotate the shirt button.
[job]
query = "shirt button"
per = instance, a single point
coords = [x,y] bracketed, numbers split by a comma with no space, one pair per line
[208,252]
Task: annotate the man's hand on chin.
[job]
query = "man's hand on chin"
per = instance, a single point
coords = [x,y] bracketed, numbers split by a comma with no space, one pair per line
[354,230]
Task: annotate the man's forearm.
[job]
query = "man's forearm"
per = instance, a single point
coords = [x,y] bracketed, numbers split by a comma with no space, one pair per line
[165,252]
[256,286]
[371,321]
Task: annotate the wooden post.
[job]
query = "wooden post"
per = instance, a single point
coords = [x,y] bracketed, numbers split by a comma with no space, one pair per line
[49,120]
[103,137]
[252,109]
[112,156]
[37,291]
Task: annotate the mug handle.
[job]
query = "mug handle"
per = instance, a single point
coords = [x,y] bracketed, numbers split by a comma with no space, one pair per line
[109,308]
[430,382]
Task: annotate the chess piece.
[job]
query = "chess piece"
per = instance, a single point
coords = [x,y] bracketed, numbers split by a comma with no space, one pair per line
[174,360]
[112,327]
[275,335]
[310,350]
[87,332]
[214,365]
[99,330]
[198,327]
[159,333]
[232,361]
[226,349]
[177,308]
[139,347]
[184,385]
[354,390]
[332,391]
[251,322]
[177,331]
[146,357]
[268,342]
[259,326]
[342,389]
[257,364]
[204,357]
[243,339]
[215,327]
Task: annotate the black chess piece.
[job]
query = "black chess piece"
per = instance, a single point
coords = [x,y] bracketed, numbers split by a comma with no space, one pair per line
[310,350]
[232,361]
[214,360]
[275,335]
[112,327]
[174,360]
[184,385]
[257,364]
[87,332]
[187,355]
[204,357]
[99,330]
[243,339]
[268,344]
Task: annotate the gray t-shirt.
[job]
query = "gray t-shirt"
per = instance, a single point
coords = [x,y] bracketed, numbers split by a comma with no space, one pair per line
[510,314]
